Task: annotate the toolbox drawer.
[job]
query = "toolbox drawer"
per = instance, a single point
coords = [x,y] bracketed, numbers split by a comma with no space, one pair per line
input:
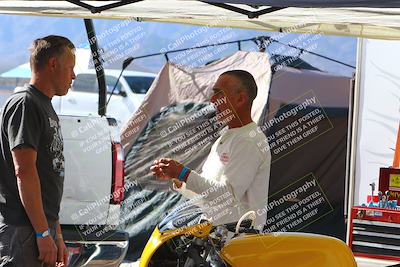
[375,233]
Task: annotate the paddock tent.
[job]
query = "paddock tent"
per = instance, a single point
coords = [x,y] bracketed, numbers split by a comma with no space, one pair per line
[362,18]
[366,19]
[176,84]
[180,94]
[321,155]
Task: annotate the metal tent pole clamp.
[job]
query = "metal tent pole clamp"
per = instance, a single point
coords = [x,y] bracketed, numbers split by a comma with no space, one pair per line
[97,65]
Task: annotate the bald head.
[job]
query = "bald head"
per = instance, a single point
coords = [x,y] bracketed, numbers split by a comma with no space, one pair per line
[245,81]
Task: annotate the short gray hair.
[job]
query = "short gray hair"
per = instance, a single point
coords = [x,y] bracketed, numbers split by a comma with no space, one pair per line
[247,81]
[44,48]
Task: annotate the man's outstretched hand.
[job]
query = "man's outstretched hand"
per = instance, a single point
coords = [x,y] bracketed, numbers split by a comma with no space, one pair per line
[166,168]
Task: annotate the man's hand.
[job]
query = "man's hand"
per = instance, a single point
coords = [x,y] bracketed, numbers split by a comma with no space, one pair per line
[62,253]
[166,168]
[177,183]
[47,250]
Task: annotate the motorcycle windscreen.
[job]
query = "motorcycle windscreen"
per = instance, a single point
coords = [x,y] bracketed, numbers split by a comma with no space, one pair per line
[185,215]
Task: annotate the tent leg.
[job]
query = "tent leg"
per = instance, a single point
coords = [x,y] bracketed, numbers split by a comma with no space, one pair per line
[353,143]
[97,65]
[348,148]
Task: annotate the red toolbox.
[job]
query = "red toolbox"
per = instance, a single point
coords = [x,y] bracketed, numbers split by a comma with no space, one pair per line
[375,233]
[389,180]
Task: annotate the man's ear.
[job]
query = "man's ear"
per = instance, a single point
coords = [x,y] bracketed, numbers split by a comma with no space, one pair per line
[52,63]
[242,98]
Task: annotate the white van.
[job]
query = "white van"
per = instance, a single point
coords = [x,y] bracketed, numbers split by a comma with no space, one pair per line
[83,97]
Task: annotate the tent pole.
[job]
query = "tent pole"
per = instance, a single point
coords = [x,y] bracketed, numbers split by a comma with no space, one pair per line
[248,13]
[99,9]
[231,8]
[265,11]
[97,65]
[348,147]
[255,40]
[354,134]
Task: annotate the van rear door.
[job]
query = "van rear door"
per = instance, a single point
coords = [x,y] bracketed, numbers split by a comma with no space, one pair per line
[88,170]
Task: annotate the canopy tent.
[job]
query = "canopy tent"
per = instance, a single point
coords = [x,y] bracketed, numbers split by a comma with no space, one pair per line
[321,155]
[170,124]
[314,3]
[362,18]
[177,120]
[179,85]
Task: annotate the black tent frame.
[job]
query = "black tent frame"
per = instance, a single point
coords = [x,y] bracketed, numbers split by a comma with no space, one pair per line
[261,41]
[102,109]
[250,14]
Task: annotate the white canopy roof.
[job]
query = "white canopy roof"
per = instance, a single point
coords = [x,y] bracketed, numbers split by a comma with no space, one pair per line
[315,3]
[367,21]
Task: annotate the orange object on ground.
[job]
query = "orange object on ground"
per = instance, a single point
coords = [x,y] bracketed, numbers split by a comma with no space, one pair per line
[396,158]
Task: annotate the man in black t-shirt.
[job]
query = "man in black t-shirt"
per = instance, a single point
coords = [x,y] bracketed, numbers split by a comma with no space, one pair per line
[32,161]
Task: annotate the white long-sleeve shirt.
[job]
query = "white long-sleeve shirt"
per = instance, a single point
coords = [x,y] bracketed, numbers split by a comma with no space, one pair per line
[235,176]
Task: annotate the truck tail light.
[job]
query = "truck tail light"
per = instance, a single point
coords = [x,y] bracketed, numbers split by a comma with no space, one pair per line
[117,173]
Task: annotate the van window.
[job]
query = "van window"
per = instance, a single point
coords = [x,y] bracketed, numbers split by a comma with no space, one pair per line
[139,84]
[86,82]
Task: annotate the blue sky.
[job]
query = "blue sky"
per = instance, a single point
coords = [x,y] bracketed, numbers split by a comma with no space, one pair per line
[140,38]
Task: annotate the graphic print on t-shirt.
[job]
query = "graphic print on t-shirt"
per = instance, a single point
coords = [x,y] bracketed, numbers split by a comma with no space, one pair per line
[56,147]
[224,158]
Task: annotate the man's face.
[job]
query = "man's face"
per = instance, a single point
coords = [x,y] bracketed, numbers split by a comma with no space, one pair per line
[64,72]
[224,98]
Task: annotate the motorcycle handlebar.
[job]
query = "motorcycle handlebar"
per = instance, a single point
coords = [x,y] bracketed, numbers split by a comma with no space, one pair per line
[245,225]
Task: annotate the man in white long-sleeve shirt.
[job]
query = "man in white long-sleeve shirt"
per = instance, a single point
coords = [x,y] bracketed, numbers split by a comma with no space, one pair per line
[235,176]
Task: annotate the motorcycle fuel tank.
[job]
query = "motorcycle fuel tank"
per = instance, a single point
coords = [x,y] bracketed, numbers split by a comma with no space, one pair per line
[287,249]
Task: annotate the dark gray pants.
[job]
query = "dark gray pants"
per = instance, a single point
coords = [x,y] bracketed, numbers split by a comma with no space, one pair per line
[18,246]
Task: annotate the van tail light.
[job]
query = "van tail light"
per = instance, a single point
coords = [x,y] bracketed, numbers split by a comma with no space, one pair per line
[117,173]
[74,252]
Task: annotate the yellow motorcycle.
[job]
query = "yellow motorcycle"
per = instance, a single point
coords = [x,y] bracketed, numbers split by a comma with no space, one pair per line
[185,239]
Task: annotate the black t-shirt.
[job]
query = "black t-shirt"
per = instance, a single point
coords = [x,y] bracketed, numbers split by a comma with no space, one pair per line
[29,120]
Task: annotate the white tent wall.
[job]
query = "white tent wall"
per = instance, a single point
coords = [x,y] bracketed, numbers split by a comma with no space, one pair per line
[375,119]
[379,112]
[175,85]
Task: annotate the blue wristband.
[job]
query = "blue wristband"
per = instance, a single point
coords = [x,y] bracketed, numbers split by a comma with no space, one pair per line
[183,173]
[44,234]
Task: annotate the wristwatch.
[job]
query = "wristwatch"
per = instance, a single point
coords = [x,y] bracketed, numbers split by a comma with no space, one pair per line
[44,234]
